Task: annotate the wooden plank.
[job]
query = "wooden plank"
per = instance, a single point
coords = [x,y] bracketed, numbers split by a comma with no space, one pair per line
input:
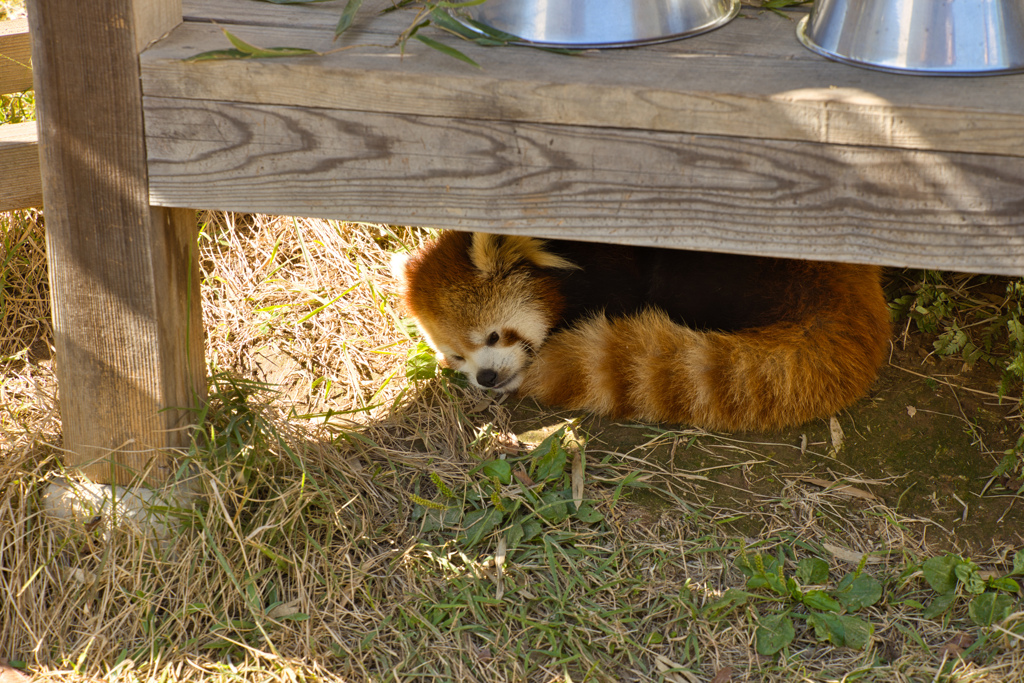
[15,56]
[123,276]
[19,167]
[750,78]
[153,19]
[782,198]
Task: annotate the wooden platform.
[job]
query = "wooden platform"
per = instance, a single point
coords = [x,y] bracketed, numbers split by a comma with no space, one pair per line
[736,140]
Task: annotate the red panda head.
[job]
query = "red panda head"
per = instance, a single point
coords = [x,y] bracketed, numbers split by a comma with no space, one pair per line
[485,303]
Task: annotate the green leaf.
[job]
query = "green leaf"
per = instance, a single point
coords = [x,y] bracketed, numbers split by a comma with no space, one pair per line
[555,506]
[347,15]
[1016,328]
[988,608]
[744,562]
[531,529]
[421,363]
[940,572]
[812,571]
[492,32]
[497,469]
[820,600]
[494,37]
[967,572]
[858,631]
[445,49]
[459,5]
[1004,583]
[444,20]
[842,630]
[587,514]
[479,524]
[435,519]
[549,458]
[213,55]
[857,591]
[773,633]
[1018,564]
[764,571]
[297,616]
[261,52]
[731,599]
[939,605]
[514,535]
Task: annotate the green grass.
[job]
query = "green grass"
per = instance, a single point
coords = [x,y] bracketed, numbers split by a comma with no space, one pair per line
[306,561]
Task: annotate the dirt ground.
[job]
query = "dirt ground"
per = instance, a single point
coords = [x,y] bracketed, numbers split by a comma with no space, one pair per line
[925,442]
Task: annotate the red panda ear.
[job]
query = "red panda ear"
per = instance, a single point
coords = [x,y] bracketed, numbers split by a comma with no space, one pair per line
[497,254]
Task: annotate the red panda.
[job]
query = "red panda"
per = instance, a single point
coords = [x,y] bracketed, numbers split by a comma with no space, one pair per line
[718,341]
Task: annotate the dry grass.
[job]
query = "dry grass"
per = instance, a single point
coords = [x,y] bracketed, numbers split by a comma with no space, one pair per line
[307,557]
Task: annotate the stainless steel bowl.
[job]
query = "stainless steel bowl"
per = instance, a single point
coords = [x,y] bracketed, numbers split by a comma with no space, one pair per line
[930,37]
[603,23]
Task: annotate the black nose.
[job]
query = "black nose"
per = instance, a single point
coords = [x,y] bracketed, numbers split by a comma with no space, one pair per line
[486,378]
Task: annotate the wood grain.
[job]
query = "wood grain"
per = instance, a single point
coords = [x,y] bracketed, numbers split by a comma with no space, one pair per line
[750,78]
[123,276]
[19,167]
[153,19]
[878,205]
[15,56]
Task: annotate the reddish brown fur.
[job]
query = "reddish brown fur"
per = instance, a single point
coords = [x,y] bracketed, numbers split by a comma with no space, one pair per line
[820,354]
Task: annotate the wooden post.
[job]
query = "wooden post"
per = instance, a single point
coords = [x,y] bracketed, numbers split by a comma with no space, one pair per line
[123,276]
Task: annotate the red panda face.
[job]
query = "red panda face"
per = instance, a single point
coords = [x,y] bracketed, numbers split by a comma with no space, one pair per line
[482,305]
[487,330]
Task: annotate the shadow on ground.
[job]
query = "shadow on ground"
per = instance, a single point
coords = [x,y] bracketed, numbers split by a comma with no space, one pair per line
[925,443]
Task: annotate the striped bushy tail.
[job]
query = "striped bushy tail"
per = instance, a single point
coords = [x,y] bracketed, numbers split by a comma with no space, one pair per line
[647,367]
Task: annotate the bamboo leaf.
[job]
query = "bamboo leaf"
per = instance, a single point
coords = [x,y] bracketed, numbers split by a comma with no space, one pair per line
[244,50]
[445,49]
[458,5]
[492,32]
[347,15]
[213,55]
[449,23]
[266,52]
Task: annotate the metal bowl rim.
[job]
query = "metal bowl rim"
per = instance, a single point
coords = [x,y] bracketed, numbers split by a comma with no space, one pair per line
[734,9]
[801,34]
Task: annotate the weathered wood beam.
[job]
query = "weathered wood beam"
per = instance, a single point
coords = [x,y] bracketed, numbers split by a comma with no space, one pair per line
[15,56]
[19,166]
[19,153]
[123,276]
[750,78]
[774,197]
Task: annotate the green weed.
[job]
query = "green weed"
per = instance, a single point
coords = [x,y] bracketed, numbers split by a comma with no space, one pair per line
[991,598]
[974,319]
[518,498]
[827,611]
